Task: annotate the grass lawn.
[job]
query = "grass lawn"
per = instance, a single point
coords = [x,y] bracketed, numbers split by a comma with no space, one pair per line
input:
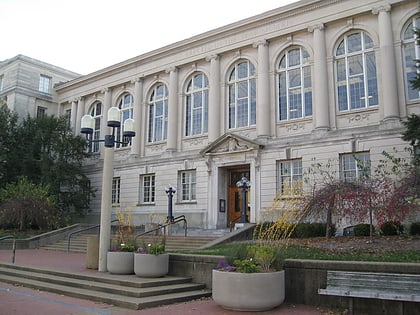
[383,251]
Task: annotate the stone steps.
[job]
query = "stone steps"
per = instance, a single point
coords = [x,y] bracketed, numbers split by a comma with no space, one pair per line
[78,243]
[126,291]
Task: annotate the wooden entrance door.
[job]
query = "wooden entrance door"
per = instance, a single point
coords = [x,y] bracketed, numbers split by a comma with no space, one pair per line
[235,196]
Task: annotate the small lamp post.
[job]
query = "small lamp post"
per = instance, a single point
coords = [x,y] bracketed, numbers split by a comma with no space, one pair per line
[244,183]
[170,191]
[87,127]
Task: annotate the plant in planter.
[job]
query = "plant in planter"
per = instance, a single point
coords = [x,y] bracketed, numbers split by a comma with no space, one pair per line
[253,281]
[252,277]
[120,258]
[150,260]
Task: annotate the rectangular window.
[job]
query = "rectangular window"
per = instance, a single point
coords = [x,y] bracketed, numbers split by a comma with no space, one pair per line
[116,191]
[147,189]
[41,112]
[354,166]
[188,185]
[44,84]
[1,82]
[289,175]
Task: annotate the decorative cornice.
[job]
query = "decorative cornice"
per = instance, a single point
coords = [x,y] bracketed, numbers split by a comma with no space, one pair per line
[212,57]
[383,8]
[171,69]
[135,80]
[262,42]
[319,26]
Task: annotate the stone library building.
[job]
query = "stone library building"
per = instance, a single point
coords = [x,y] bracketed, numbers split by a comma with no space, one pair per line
[258,100]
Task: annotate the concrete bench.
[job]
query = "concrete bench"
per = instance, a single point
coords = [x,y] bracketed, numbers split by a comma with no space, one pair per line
[384,286]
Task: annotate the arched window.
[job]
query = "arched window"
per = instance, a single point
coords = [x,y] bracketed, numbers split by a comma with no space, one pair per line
[356,72]
[125,104]
[96,113]
[158,113]
[295,86]
[411,54]
[242,95]
[196,107]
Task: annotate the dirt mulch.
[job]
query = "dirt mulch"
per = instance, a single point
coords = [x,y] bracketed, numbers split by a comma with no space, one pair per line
[347,244]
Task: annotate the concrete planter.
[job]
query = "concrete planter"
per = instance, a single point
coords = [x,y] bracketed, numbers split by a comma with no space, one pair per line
[121,263]
[151,266]
[248,291]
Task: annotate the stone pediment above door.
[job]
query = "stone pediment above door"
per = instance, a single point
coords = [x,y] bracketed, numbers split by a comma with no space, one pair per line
[231,143]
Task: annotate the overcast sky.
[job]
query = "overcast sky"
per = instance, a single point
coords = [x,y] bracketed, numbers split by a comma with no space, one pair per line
[87,35]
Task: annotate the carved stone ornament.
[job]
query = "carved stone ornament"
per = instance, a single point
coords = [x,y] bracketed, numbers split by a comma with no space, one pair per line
[231,143]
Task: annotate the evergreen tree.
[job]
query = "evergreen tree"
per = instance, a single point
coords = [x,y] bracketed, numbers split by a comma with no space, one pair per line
[49,154]
[8,129]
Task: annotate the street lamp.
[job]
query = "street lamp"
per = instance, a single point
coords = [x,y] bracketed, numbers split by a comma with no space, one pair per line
[170,191]
[87,127]
[244,183]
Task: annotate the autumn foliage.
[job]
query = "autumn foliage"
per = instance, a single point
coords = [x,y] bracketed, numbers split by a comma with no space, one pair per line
[385,193]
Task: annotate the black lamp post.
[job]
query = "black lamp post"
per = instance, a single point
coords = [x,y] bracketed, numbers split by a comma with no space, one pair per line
[87,127]
[170,191]
[244,183]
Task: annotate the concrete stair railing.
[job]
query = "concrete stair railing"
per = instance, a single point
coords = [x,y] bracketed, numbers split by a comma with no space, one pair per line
[196,238]
[78,243]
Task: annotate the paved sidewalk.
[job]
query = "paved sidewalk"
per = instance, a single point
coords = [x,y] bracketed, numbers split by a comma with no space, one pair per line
[17,300]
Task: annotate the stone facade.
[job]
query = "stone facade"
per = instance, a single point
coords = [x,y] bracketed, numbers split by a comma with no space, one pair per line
[320,79]
[20,86]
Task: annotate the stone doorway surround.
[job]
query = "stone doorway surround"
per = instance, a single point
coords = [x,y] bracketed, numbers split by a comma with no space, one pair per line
[229,152]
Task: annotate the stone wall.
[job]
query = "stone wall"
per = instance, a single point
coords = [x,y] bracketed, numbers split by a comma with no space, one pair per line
[40,240]
[304,278]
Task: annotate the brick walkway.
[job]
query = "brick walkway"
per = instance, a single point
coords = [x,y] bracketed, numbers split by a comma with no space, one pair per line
[16,300]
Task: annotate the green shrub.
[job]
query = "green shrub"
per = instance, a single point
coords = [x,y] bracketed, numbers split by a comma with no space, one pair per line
[237,252]
[25,205]
[154,248]
[362,229]
[247,257]
[157,249]
[415,228]
[246,266]
[127,248]
[392,228]
[304,230]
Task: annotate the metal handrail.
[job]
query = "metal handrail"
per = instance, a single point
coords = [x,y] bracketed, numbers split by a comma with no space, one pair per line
[179,219]
[160,226]
[13,246]
[82,230]
[233,221]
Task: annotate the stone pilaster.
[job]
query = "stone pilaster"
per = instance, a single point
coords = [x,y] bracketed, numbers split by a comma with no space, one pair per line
[388,66]
[80,113]
[73,116]
[263,91]
[320,79]
[172,110]
[138,117]
[215,108]
[105,130]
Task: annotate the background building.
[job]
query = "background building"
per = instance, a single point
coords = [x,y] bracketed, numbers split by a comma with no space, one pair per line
[259,98]
[27,86]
